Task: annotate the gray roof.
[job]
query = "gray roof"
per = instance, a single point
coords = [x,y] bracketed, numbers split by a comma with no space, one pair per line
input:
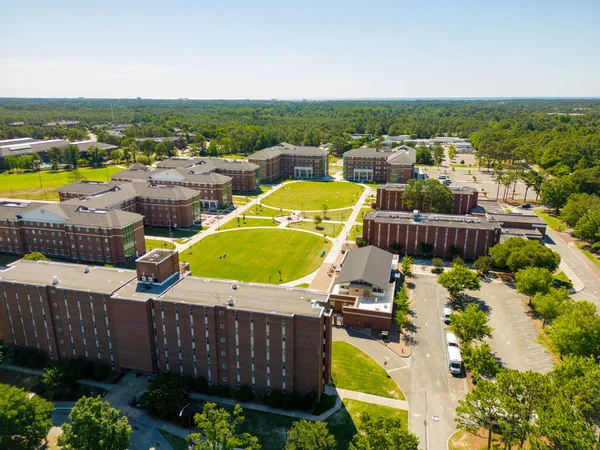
[247,296]
[70,276]
[70,212]
[88,187]
[434,220]
[29,147]
[206,164]
[189,174]
[370,264]
[401,187]
[287,149]
[402,155]
[129,174]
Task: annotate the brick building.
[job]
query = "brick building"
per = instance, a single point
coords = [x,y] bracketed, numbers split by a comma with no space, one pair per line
[215,190]
[158,319]
[71,231]
[395,165]
[289,161]
[161,205]
[363,294]
[242,173]
[389,198]
[467,236]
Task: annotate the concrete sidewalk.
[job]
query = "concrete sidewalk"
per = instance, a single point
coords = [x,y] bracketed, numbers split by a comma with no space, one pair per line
[375,399]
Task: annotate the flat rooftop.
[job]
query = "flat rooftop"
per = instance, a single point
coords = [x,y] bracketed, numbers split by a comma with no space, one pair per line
[70,276]
[454,189]
[155,256]
[247,296]
[441,220]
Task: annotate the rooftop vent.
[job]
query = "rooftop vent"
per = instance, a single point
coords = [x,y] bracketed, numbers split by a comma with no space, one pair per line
[55,280]
[234,286]
[86,269]
[230,301]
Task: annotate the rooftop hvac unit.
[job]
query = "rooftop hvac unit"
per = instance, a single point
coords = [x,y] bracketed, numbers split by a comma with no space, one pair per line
[86,269]
[230,301]
[55,280]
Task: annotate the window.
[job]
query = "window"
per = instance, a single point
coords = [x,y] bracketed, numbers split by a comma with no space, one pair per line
[223,366]
[224,379]
[222,340]
[223,353]
[222,326]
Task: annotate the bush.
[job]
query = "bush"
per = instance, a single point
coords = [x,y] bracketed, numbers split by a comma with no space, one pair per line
[288,401]
[596,247]
[274,399]
[362,242]
[36,361]
[101,371]
[307,403]
[23,357]
[200,385]
[244,394]
[167,394]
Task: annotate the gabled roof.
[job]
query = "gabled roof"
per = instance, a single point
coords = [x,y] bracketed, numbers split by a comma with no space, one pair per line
[403,155]
[287,149]
[370,264]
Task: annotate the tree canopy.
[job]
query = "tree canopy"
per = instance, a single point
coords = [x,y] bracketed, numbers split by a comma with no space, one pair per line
[307,435]
[379,432]
[515,254]
[459,279]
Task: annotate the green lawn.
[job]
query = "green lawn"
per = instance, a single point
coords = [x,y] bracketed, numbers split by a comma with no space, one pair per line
[344,423]
[175,441]
[354,370]
[312,195]
[340,215]
[27,185]
[175,233]
[550,218]
[249,222]
[356,229]
[256,255]
[326,228]
[151,244]
[589,255]
[561,279]
[302,285]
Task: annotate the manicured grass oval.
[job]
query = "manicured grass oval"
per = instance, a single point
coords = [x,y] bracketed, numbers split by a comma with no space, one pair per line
[312,195]
[256,255]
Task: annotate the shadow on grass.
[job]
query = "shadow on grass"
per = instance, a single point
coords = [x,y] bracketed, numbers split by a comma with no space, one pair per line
[342,427]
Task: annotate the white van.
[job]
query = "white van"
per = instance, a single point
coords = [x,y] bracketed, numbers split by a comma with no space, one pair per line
[451,340]
[454,360]
[447,313]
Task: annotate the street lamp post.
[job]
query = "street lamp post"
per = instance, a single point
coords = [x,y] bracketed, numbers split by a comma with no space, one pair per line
[189,417]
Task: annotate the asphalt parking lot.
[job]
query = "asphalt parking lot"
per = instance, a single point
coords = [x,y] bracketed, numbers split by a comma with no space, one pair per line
[514,337]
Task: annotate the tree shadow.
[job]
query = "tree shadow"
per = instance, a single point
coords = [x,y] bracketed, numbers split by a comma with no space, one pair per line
[342,426]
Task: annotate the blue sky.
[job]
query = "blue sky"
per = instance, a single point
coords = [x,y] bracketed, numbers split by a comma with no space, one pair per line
[302,49]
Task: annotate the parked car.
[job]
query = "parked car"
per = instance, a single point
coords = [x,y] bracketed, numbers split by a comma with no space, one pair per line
[526,205]
[447,313]
[451,340]
[454,361]
[447,182]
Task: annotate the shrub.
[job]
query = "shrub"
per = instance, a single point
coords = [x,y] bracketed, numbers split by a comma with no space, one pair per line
[288,401]
[36,361]
[362,242]
[244,394]
[101,371]
[307,402]
[596,247]
[200,385]
[23,357]
[438,265]
[274,399]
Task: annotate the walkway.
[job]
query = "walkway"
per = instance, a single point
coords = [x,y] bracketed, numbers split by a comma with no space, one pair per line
[375,399]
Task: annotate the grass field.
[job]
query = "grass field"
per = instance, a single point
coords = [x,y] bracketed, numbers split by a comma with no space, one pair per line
[341,215]
[356,229]
[561,279]
[589,255]
[151,244]
[550,218]
[312,195]
[27,185]
[256,255]
[175,233]
[354,370]
[175,441]
[326,228]
[250,222]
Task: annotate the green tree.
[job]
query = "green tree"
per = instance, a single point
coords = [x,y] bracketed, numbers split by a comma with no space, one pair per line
[577,206]
[96,156]
[71,156]
[516,254]
[325,208]
[588,226]
[534,280]
[24,420]
[35,256]
[383,433]
[452,151]
[318,219]
[430,193]
[548,305]
[167,394]
[55,156]
[406,266]
[576,331]
[307,435]
[480,409]
[459,279]
[577,380]
[470,325]
[116,155]
[482,265]
[438,264]
[61,375]
[95,425]
[556,191]
[219,430]
[480,360]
